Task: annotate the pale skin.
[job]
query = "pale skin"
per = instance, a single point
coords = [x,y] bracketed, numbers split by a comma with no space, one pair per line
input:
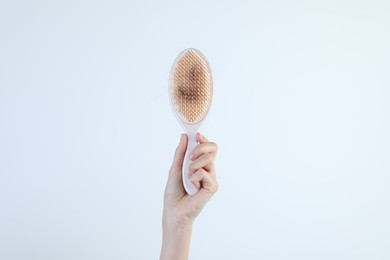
[181,209]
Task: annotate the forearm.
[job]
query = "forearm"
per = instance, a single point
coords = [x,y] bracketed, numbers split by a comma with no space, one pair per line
[176,241]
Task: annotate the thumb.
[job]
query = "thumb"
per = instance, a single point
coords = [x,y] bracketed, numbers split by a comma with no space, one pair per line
[178,158]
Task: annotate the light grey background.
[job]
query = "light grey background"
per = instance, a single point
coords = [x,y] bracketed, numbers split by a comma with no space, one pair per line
[300,112]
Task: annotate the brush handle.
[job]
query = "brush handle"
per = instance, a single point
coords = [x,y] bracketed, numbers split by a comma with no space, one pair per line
[188,186]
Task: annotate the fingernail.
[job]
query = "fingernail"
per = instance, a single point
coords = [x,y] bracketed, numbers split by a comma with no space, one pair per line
[192,156]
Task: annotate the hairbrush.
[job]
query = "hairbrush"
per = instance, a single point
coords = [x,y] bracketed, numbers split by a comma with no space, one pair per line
[190,94]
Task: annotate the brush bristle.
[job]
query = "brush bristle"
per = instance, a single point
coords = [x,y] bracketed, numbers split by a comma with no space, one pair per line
[191,90]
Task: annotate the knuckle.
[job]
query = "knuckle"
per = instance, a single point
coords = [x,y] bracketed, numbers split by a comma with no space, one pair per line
[216,186]
[209,158]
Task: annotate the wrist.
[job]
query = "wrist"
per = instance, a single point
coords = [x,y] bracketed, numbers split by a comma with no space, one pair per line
[176,238]
[179,234]
[174,223]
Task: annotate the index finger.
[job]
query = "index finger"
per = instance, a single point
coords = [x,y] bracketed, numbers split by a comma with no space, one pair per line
[201,138]
[203,147]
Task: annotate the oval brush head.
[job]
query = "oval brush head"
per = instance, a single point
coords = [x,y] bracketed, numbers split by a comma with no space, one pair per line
[191,86]
[191,92]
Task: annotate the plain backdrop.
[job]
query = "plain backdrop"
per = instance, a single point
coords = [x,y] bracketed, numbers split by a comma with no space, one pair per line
[300,113]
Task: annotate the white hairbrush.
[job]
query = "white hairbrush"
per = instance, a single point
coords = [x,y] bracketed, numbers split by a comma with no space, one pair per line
[190,94]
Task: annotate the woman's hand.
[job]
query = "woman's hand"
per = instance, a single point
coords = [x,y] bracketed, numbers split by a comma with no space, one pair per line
[181,209]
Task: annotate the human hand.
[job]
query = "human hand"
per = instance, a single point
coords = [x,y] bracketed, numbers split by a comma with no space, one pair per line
[181,209]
